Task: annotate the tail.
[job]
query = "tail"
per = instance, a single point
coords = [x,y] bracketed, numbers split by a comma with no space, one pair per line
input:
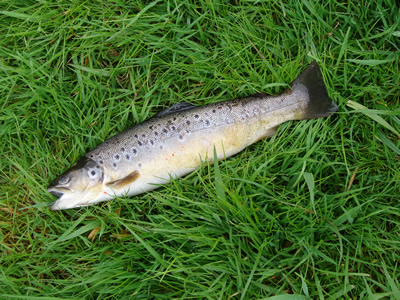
[319,105]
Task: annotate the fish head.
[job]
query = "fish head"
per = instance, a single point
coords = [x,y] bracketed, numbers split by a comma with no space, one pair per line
[78,186]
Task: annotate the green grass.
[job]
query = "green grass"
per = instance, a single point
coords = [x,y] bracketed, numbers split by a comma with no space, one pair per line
[313,212]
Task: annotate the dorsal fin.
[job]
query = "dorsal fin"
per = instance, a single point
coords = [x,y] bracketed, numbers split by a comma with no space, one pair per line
[131,177]
[181,106]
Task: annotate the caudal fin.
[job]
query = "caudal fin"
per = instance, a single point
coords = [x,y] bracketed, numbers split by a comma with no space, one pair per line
[320,105]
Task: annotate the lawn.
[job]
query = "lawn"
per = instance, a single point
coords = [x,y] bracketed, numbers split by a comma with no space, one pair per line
[313,212]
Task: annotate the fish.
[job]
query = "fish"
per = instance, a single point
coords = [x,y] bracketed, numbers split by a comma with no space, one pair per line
[179,139]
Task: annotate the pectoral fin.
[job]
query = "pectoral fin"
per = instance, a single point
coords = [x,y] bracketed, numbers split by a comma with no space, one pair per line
[270,132]
[116,184]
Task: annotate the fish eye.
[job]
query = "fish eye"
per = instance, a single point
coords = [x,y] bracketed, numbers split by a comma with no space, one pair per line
[64,179]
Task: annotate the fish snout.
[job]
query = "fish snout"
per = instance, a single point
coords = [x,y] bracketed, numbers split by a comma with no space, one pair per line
[55,192]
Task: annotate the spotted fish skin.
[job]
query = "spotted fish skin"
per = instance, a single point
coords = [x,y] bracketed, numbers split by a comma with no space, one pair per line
[176,141]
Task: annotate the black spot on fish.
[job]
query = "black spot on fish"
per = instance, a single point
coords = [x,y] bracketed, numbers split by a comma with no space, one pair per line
[91,155]
[140,143]
[213,110]
[134,151]
[155,133]
[207,122]
[196,116]
[123,149]
[188,122]
[101,162]
[174,119]
[151,142]
[143,135]
[139,165]
[117,156]
[165,130]
[114,165]
[127,157]
[181,137]
[219,107]
[97,167]
[136,136]
[93,173]
[151,127]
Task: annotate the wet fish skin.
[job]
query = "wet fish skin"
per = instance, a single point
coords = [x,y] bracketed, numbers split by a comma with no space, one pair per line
[175,141]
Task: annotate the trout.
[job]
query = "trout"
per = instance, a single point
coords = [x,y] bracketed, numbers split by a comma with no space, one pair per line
[177,140]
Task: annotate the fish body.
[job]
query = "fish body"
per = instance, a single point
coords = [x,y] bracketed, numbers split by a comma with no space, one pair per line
[174,142]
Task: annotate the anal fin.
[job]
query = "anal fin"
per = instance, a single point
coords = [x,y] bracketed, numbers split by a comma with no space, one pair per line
[116,184]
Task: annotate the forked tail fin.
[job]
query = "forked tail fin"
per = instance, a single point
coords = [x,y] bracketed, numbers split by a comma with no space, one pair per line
[320,105]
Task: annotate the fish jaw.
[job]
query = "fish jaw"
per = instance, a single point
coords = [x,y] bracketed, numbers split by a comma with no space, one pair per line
[69,200]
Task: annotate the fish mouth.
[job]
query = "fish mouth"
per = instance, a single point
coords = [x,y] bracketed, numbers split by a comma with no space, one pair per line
[59,193]
[56,193]
[69,198]
[66,199]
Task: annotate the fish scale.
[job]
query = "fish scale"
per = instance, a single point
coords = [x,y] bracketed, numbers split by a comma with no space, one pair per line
[174,142]
[135,146]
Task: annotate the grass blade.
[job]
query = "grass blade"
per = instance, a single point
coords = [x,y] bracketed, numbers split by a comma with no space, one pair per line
[372,115]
